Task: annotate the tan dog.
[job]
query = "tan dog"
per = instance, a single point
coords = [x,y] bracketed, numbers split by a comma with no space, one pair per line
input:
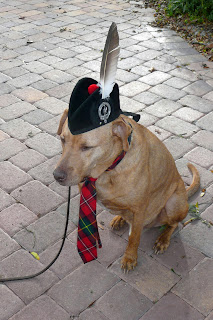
[144,189]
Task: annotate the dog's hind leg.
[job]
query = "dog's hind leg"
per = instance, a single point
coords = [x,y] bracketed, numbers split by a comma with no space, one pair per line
[175,211]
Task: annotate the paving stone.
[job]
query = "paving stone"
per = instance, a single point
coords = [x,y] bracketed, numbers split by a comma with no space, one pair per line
[22,263]
[7,245]
[8,298]
[51,125]
[7,64]
[58,76]
[201,156]
[205,175]
[148,55]
[126,76]
[180,257]
[128,104]
[185,74]
[177,83]
[25,80]
[163,108]
[52,105]
[210,316]
[7,99]
[68,63]
[169,306]
[19,129]
[152,44]
[6,199]
[92,314]
[4,78]
[147,272]
[42,308]
[128,63]
[29,94]
[160,133]
[190,287]
[12,177]
[178,146]
[199,236]
[16,72]
[128,305]
[32,56]
[146,119]
[159,65]
[155,78]
[184,60]
[42,233]
[10,147]
[198,88]
[63,190]
[209,96]
[167,92]
[27,159]
[16,217]
[68,261]
[206,122]
[177,126]
[37,67]
[45,144]
[37,116]
[44,84]
[15,110]
[143,36]
[133,88]
[61,91]
[6,88]
[196,103]
[44,171]
[188,114]
[79,289]
[140,70]
[204,139]
[37,197]
[147,98]
[110,240]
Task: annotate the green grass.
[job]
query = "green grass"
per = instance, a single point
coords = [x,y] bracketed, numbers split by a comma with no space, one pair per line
[197,10]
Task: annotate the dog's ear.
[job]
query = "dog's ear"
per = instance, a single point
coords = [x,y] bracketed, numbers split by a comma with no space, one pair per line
[122,130]
[63,119]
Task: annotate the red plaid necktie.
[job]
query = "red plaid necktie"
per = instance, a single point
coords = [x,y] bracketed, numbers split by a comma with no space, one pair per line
[88,234]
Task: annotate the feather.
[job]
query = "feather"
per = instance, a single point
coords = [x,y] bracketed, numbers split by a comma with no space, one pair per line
[109,62]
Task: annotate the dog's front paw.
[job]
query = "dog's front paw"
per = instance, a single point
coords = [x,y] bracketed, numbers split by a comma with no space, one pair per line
[128,263]
[117,223]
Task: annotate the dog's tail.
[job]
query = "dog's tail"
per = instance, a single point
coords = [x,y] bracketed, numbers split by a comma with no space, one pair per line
[195,181]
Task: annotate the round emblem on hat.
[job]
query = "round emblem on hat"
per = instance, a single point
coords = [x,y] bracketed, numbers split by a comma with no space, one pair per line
[104,111]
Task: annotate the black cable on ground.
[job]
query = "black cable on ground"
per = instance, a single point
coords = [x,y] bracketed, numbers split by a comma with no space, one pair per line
[56,257]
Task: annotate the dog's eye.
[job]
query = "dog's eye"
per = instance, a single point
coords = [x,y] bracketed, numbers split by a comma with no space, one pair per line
[85,148]
[62,140]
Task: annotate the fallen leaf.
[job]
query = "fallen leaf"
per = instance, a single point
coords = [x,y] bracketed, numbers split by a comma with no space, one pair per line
[35,255]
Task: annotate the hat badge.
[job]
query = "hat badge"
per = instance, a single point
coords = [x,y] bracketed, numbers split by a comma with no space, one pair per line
[104,111]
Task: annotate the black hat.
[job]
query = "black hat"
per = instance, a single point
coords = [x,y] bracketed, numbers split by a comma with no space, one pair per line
[87,109]
[94,104]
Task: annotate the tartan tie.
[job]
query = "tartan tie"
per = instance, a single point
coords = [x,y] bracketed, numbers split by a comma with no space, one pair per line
[88,234]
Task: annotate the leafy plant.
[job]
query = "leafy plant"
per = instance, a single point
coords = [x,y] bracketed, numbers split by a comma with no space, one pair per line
[195,214]
[196,9]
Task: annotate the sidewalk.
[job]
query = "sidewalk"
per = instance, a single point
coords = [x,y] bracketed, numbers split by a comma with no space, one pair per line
[45,48]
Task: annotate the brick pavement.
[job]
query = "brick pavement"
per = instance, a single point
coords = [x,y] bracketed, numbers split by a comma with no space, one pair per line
[46,46]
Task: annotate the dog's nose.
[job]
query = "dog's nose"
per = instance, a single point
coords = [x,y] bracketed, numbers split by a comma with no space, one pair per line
[59,175]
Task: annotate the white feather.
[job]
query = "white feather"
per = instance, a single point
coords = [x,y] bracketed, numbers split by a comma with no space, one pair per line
[109,62]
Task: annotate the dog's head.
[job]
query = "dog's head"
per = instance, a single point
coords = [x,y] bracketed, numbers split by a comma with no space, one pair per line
[89,153]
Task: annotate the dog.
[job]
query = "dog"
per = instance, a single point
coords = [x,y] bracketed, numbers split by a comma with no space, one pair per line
[144,189]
